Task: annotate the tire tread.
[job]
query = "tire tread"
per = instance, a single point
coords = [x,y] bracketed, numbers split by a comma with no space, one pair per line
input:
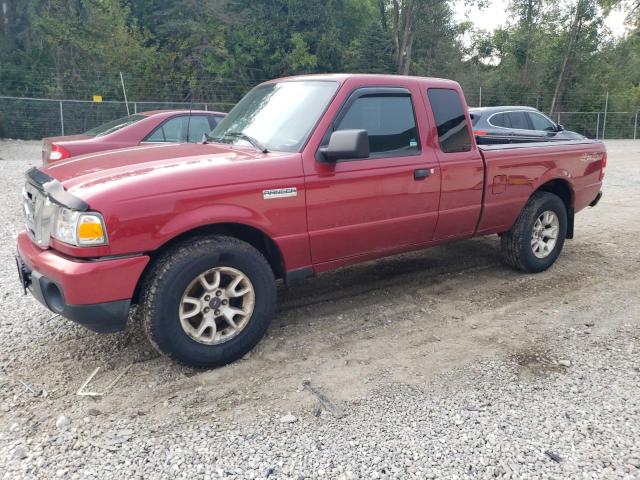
[515,242]
[167,261]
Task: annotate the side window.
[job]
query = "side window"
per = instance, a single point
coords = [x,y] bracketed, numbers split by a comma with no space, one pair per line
[173,130]
[453,130]
[540,122]
[389,121]
[518,120]
[198,126]
[500,120]
[156,136]
[214,120]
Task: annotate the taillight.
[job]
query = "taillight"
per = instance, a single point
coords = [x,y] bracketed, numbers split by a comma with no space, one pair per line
[604,164]
[58,153]
[480,133]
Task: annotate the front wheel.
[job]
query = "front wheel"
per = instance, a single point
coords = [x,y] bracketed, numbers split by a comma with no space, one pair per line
[208,301]
[534,242]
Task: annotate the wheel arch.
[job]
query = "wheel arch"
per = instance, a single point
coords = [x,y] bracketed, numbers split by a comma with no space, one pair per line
[247,233]
[562,188]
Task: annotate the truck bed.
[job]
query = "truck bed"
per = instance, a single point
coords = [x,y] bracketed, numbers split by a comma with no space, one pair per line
[514,171]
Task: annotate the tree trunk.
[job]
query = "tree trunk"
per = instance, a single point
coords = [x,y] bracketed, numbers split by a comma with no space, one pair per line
[403,23]
[573,34]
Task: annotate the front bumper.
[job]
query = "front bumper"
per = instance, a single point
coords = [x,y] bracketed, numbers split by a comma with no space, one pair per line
[94,293]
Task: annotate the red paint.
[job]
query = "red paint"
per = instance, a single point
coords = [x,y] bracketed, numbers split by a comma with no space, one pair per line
[129,136]
[344,213]
[84,282]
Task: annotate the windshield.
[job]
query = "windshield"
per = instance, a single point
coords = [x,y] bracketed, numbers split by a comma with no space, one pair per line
[279,116]
[113,125]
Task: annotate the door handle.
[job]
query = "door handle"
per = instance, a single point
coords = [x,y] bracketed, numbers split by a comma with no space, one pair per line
[421,173]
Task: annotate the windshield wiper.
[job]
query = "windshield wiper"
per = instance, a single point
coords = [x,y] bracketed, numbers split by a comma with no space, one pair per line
[255,143]
[251,140]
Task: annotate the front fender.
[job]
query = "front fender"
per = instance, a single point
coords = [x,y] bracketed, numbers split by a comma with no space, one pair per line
[213,214]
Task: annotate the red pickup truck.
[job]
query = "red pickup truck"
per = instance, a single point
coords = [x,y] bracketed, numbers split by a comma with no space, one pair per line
[306,174]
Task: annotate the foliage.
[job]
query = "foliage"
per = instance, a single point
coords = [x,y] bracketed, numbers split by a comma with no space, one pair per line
[215,50]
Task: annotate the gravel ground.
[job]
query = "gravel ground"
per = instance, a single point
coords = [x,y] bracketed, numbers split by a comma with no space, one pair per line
[437,364]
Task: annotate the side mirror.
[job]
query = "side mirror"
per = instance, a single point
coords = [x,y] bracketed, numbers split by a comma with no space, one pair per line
[346,144]
[559,128]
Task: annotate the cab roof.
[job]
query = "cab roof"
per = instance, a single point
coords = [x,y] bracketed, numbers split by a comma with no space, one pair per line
[367,77]
[169,112]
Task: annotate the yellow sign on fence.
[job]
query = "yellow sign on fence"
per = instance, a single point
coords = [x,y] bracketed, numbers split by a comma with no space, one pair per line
[97,98]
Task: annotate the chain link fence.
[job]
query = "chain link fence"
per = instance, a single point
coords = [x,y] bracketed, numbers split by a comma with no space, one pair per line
[35,118]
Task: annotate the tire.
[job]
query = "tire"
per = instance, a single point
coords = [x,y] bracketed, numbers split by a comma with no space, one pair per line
[518,249]
[169,324]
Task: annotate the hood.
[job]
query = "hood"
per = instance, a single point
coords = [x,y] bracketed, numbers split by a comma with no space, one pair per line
[175,166]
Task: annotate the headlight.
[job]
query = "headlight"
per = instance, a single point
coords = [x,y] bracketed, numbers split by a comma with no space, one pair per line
[79,228]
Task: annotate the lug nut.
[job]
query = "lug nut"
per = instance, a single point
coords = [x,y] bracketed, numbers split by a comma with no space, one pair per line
[206,309]
[224,302]
[217,312]
[218,293]
[207,298]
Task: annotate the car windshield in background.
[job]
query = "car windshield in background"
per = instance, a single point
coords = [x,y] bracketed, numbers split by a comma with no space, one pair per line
[113,125]
[280,116]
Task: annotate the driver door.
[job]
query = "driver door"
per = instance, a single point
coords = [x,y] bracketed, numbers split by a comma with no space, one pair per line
[358,207]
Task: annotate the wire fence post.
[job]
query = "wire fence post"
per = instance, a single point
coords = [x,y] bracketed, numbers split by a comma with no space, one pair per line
[61,120]
[135,107]
[635,125]
[604,120]
[598,126]
[558,118]
[480,98]
[124,91]
[206,107]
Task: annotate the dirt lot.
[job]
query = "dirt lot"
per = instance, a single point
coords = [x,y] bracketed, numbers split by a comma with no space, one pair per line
[393,343]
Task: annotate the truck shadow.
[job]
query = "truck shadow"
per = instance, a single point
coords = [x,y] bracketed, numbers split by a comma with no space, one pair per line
[408,271]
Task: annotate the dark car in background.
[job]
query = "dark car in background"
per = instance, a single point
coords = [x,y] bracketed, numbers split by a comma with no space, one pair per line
[157,126]
[496,125]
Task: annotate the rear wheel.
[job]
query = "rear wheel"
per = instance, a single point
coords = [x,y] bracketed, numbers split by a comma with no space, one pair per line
[534,242]
[208,301]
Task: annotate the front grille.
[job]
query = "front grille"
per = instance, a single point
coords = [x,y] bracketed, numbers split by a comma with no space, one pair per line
[38,214]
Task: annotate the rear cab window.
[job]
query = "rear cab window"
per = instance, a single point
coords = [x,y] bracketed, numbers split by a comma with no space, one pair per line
[451,122]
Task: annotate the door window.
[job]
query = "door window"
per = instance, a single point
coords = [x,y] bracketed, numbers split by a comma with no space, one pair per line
[500,120]
[518,120]
[214,120]
[389,121]
[453,130]
[198,126]
[173,130]
[540,122]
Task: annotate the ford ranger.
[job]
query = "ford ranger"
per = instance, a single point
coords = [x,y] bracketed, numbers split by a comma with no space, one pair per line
[306,174]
